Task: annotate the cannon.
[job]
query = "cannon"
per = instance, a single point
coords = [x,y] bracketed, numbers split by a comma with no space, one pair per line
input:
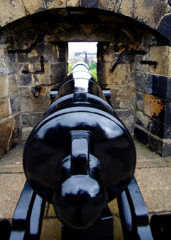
[79,157]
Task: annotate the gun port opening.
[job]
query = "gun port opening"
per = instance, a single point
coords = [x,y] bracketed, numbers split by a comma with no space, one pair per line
[83,52]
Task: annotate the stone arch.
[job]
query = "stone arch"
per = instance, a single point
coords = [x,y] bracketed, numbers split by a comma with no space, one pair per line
[148,12]
[143,102]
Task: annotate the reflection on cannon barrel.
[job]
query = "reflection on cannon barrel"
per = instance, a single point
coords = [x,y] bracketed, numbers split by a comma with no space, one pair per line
[80,155]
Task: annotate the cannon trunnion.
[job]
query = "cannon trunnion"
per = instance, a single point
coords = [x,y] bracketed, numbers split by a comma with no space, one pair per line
[80,155]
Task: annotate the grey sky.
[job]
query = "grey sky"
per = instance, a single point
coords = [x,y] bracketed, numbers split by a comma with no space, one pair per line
[82,46]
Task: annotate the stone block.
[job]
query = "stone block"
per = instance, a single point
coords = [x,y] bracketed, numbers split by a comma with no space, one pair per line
[165,26]
[163,131]
[123,73]
[33,56]
[4,108]
[155,144]
[138,65]
[4,86]
[25,79]
[126,116]
[161,86]
[26,132]
[16,132]
[51,52]
[166,148]
[34,6]
[11,11]
[141,135]
[57,72]
[5,133]
[35,118]
[89,3]
[15,103]
[31,104]
[123,96]
[8,63]
[151,12]
[162,55]
[143,82]
[154,107]
[50,4]
[13,84]
[139,101]
[168,112]
[142,120]
[156,85]
[107,5]
[73,3]
[25,119]
[130,9]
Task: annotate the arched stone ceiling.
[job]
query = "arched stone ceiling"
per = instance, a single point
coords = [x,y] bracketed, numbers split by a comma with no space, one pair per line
[149,12]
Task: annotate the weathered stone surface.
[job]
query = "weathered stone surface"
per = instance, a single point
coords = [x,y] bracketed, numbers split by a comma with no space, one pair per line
[25,79]
[151,12]
[41,78]
[31,104]
[16,132]
[15,103]
[55,4]
[35,118]
[156,85]
[89,3]
[138,65]
[127,116]
[25,133]
[4,86]
[123,97]
[155,144]
[162,55]
[58,72]
[165,26]
[34,6]
[154,107]
[142,120]
[107,4]
[11,11]
[159,129]
[33,56]
[122,74]
[13,84]
[5,133]
[143,82]
[141,135]
[155,188]
[25,119]
[10,194]
[147,158]
[166,150]
[4,108]
[73,3]
[7,62]
[130,9]
[139,101]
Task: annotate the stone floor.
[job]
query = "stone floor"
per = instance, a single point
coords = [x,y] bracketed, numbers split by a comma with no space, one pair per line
[153,175]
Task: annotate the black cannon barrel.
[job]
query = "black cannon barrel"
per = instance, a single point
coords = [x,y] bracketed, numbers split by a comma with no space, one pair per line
[80,155]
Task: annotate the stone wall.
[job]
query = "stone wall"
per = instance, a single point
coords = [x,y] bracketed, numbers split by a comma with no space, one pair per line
[20,73]
[153,101]
[45,27]
[120,81]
